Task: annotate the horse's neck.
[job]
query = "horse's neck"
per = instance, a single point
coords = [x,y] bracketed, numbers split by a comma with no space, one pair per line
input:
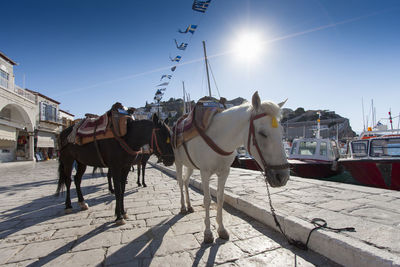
[139,135]
[229,129]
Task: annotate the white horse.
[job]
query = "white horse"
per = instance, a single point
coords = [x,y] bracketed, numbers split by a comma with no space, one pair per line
[254,125]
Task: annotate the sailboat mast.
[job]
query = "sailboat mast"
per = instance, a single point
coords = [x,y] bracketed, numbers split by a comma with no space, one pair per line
[184,93]
[208,76]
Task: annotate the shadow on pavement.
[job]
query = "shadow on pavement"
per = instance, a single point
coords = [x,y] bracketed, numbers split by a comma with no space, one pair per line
[144,245]
[58,252]
[46,208]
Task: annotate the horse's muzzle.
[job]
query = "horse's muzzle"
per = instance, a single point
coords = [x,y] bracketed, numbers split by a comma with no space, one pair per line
[277,178]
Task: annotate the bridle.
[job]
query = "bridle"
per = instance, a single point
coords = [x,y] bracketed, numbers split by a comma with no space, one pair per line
[217,149]
[154,142]
[267,167]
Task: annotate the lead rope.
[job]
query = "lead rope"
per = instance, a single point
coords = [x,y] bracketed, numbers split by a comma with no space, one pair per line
[317,222]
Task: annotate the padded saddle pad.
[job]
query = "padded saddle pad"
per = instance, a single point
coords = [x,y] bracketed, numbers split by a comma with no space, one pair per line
[88,126]
[203,113]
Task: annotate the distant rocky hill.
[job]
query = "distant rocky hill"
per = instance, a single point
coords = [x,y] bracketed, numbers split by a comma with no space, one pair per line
[302,122]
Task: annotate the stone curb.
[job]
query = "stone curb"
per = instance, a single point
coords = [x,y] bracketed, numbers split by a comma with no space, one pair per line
[338,248]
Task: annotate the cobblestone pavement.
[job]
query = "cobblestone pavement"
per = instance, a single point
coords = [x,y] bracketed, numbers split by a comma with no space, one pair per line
[34,230]
[373,212]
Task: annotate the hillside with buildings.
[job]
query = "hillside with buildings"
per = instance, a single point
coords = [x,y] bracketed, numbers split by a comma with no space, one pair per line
[303,123]
[296,123]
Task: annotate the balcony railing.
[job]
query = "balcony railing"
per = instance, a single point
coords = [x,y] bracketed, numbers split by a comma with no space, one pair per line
[22,92]
[16,89]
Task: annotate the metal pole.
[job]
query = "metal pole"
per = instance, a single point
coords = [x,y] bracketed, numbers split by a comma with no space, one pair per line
[208,76]
[184,103]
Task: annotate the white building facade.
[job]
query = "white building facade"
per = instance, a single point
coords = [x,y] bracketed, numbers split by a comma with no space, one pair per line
[17,116]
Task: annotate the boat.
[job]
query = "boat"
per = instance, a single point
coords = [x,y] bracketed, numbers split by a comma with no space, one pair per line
[314,157]
[243,160]
[374,160]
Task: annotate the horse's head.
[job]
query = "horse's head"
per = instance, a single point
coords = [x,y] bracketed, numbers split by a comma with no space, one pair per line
[162,147]
[265,141]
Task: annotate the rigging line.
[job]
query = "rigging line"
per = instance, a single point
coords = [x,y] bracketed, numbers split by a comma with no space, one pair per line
[215,82]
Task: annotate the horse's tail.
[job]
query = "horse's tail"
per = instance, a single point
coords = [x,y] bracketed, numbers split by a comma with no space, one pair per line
[61,178]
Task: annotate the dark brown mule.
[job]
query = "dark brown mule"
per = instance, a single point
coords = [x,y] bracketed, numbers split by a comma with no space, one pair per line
[140,163]
[116,158]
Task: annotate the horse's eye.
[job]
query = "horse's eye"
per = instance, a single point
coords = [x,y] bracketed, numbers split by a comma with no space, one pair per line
[262,134]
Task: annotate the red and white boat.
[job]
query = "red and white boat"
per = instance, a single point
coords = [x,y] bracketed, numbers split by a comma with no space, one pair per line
[314,158]
[374,159]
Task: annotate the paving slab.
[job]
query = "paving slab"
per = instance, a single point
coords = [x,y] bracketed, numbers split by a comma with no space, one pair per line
[373,212]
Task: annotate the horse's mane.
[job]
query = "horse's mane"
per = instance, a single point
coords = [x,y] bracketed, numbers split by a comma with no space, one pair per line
[269,108]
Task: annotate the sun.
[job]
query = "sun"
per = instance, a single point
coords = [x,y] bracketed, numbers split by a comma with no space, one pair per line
[248,46]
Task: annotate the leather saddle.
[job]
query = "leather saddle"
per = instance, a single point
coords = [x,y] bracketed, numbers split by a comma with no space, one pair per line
[186,128]
[112,123]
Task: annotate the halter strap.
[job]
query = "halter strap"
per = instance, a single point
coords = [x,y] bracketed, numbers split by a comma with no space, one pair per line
[252,133]
[154,141]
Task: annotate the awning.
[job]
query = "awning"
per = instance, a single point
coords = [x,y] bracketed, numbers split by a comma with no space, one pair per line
[45,140]
[8,133]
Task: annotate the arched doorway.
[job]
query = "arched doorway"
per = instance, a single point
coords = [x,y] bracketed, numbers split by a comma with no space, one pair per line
[16,133]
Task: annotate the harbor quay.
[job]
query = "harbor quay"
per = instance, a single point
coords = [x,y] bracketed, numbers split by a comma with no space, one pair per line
[35,231]
[373,213]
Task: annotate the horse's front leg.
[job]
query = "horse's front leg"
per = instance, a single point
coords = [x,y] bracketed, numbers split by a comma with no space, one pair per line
[205,181]
[109,177]
[188,173]
[143,172]
[124,179]
[179,167]
[138,174]
[117,177]
[222,176]
[77,180]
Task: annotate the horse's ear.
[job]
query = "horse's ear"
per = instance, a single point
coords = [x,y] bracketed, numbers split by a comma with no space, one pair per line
[282,103]
[255,101]
[155,119]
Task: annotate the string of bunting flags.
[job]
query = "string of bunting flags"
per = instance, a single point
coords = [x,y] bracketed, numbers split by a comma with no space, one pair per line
[198,6]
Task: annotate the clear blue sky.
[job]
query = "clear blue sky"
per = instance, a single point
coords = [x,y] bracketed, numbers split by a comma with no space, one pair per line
[320,54]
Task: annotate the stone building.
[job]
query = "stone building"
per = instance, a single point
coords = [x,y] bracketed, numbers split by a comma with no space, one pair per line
[67,119]
[48,126]
[30,122]
[17,116]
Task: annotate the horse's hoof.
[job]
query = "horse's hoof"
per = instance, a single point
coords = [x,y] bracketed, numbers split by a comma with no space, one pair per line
[120,222]
[125,216]
[139,184]
[190,210]
[144,185]
[208,238]
[83,205]
[183,211]
[68,211]
[112,192]
[223,234]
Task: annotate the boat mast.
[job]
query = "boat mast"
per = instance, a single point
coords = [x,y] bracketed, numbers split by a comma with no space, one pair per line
[362,102]
[319,125]
[208,76]
[184,104]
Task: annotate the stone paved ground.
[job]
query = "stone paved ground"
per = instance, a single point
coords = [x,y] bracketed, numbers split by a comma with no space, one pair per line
[34,230]
[373,212]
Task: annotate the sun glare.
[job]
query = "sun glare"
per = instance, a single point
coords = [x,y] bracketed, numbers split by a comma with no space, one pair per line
[248,46]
